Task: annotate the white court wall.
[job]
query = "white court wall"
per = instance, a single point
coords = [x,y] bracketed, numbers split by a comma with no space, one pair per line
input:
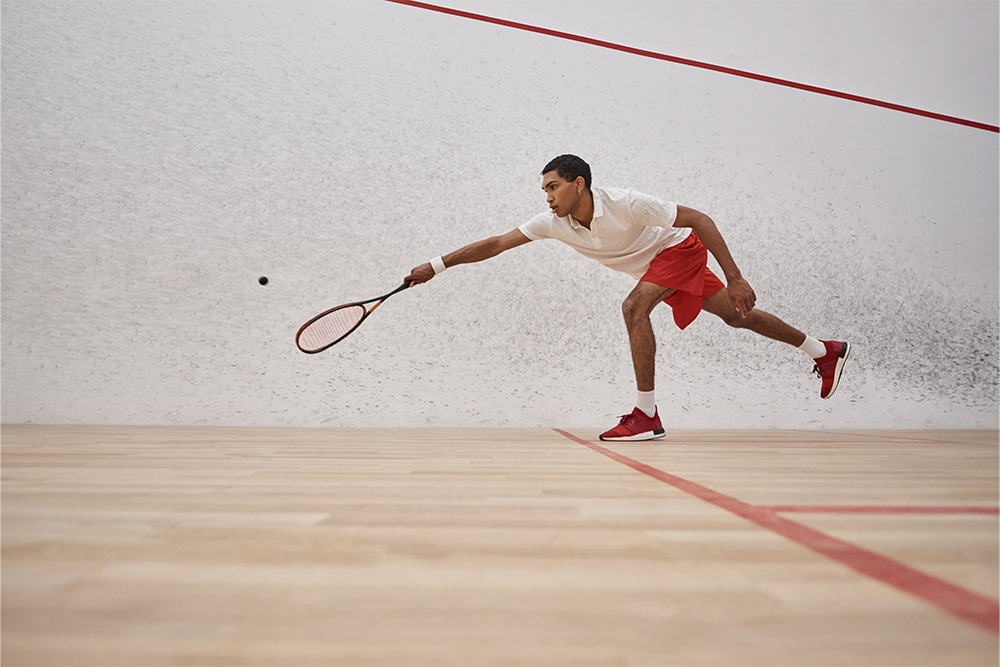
[158,157]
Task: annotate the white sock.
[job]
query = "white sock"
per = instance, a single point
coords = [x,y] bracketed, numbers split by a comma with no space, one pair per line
[813,347]
[646,402]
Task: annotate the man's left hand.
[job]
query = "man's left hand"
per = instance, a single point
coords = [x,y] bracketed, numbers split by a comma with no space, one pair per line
[742,295]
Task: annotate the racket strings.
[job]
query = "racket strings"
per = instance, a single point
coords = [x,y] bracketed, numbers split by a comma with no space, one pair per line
[330,328]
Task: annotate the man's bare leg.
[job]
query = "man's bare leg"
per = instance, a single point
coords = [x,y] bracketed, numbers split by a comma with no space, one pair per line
[829,355]
[643,423]
[636,309]
[757,321]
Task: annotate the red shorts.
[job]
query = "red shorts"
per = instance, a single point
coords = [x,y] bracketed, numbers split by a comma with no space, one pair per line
[684,267]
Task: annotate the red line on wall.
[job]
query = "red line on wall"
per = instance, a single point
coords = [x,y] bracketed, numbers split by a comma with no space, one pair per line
[880,509]
[695,63]
[961,602]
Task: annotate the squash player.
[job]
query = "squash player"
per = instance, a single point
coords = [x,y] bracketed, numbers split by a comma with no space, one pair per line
[665,248]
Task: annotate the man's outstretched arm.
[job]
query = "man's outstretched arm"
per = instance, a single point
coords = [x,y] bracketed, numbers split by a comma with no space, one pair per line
[474,252]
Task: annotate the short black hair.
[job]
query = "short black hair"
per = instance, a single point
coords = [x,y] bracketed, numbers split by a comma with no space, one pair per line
[569,167]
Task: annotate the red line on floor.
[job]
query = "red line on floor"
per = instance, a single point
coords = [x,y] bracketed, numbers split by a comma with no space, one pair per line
[977,609]
[880,509]
[695,63]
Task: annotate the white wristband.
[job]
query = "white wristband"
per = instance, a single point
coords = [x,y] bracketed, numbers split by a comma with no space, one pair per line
[438,265]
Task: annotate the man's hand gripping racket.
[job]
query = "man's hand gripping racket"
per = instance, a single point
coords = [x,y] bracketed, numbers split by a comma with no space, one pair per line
[421,274]
[334,325]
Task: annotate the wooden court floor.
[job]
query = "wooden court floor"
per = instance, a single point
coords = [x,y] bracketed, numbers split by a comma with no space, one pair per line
[252,546]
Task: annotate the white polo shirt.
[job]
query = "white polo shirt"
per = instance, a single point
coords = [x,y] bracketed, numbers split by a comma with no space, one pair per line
[628,230]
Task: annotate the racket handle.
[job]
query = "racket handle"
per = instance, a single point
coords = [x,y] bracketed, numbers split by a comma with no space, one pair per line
[406,284]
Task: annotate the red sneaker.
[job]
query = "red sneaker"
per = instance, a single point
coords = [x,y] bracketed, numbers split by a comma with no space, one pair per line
[636,426]
[830,366]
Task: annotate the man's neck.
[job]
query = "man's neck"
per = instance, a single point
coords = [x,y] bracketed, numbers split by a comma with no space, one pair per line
[584,212]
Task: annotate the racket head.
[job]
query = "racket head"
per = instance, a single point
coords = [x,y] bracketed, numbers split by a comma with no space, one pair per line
[329,328]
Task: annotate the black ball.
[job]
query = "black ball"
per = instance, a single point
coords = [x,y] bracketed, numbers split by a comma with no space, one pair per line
[262,280]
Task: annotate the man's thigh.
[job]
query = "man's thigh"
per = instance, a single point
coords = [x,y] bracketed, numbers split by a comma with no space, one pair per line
[720,304]
[646,295]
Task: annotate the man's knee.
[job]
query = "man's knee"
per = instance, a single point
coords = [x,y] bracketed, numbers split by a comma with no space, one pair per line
[633,310]
[641,301]
[722,307]
[735,320]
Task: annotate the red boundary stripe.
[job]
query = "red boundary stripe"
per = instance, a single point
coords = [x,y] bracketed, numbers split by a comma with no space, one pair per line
[880,509]
[977,609]
[696,63]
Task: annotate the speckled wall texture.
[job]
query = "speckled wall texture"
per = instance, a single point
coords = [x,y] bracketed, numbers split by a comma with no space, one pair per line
[158,157]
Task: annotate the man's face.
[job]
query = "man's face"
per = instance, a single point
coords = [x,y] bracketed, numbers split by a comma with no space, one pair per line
[560,194]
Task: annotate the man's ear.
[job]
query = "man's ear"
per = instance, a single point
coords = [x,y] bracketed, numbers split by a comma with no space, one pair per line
[580,184]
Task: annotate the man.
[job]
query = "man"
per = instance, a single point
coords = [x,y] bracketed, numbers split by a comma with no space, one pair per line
[665,247]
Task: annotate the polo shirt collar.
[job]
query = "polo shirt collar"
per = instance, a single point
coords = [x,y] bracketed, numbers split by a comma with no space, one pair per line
[598,212]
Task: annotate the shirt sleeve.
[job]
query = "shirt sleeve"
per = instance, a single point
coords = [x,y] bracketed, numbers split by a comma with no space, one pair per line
[539,227]
[650,211]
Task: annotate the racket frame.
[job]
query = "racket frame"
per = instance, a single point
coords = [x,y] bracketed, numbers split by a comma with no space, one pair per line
[368,311]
